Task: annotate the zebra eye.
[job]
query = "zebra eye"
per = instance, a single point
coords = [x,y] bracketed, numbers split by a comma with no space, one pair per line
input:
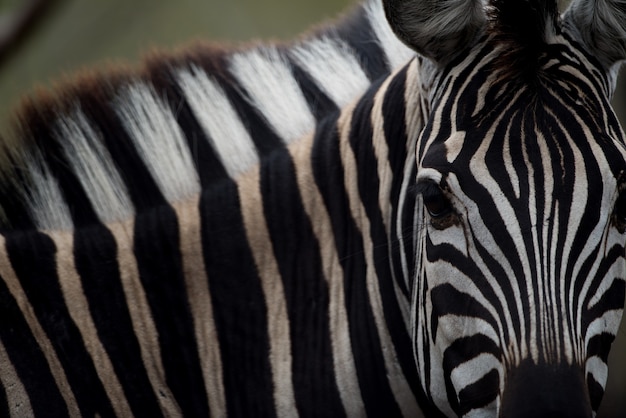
[619,213]
[437,204]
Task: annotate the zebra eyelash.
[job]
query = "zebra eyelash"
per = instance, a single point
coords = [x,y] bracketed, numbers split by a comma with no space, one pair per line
[439,207]
[426,188]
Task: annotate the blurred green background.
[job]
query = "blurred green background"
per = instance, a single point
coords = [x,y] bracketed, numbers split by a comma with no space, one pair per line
[79,34]
[82,33]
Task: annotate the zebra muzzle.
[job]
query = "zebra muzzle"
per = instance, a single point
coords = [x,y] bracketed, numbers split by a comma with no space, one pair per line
[545,390]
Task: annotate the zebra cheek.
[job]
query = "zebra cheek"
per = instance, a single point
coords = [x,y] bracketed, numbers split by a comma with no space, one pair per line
[440,237]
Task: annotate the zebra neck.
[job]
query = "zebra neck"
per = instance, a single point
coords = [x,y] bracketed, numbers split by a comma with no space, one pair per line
[325,219]
[88,152]
[342,191]
[376,144]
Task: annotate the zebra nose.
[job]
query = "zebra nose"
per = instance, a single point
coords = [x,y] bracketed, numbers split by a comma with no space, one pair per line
[545,390]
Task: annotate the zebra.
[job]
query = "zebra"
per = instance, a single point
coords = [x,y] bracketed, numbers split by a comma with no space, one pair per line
[419,217]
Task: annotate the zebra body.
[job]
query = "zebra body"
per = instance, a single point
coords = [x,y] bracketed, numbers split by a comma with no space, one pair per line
[332,228]
[128,147]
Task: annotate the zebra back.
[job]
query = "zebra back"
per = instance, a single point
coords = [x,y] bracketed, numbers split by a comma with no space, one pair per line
[160,286]
[131,140]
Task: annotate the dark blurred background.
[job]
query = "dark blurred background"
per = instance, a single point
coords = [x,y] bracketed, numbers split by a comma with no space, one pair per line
[54,38]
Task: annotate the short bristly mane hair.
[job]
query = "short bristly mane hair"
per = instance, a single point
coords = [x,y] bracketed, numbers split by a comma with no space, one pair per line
[524,28]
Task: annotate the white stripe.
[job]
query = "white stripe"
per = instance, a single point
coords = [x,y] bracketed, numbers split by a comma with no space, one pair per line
[471,371]
[511,172]
[334,67]
[78,308]
[385,175]
[46,203]
[47,349]
[272,89]
[343,355]
[159,141]
[414,123]
[16,395]
[598,369]
[490,410]
[141,316]
[607,323]
[200,302]
[451,328]
[93,166]
[227,134]
[397,381]
[396,52]
[258,235]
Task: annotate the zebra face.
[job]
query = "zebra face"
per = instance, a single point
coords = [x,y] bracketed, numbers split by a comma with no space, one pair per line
[523,246]
[522,174]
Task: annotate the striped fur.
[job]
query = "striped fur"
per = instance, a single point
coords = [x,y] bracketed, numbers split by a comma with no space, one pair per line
[521,292]
[332,227]
[301,84]
[148,202]
[534,247]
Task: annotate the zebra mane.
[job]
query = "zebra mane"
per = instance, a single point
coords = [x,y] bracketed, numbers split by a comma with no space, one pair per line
[524,27]
[112,143]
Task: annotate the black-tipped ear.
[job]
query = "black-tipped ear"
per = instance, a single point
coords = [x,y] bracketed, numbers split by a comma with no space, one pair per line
[601,26]
[437,29]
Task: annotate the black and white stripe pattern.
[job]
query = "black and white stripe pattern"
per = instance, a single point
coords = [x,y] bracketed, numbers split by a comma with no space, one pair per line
[332,227]
[152,201]
[521,166]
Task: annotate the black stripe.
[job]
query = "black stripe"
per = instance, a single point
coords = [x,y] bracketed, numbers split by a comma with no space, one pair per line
[329,175]
[27,358]
[206,161]
[356,30]
[522,142]
[319,103]
[394,112]
[612,298]
[600,345]
[562,155]
[81,209]
[594,279]
[409,231]
[428,340]
[448,300]
[13,205]
[262,134]
[460,351]
[442,131]
[41,284]
[597,74]
[157,248]
[480,393]
[592,215]
[298,255]
[4,402]
[239,307]
[95,251]
[142,188]
[449,254]
[512,121]
[217,64]
[361,136]
[596,391]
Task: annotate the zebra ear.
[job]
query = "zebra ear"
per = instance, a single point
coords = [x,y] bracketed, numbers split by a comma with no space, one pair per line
[601,26]
[437,29]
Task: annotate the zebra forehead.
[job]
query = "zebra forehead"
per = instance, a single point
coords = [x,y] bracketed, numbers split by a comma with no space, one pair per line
[454,145]
[527,22]
[524,27]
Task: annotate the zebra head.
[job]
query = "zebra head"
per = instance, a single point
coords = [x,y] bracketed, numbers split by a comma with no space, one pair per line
[519,287]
